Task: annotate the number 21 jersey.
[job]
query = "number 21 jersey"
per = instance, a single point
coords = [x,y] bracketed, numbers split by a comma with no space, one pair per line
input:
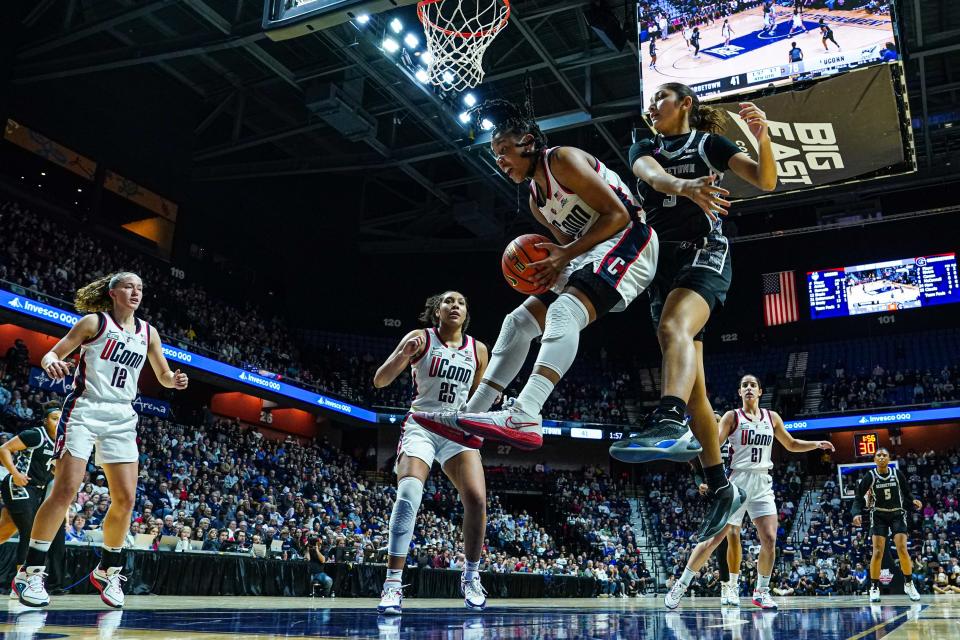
[443,375]
[111,362]
[751,443]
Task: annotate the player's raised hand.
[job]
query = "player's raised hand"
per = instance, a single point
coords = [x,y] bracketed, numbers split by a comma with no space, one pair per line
[755,118]
[546,272]
[412,346]
[180,380]
[857,521]
[703,488]
[826,445]
[707,196]
[58,369]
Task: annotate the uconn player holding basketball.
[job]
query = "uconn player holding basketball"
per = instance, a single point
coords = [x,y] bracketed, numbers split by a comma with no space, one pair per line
[678,173]
[751,432]
[446,365]
[605,257]
[114,345]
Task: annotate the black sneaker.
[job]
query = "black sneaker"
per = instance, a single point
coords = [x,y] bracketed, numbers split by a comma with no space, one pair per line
[661,438]
[722,505]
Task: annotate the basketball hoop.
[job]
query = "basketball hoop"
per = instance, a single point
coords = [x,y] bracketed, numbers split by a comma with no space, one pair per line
[458,33]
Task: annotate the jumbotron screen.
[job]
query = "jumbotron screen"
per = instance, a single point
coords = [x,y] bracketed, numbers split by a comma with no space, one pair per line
[732,46]
[882,287]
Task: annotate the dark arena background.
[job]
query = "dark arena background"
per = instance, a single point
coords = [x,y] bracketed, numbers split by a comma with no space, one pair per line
[291,179]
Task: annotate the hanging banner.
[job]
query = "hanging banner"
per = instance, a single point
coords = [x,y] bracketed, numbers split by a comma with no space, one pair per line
[37,143]
[834,131]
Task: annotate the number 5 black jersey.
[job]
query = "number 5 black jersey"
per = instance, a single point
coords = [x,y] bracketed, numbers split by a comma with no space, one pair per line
[687,156]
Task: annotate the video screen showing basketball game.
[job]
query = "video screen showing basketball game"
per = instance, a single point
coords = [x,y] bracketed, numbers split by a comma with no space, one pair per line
[883,287]
[731,46]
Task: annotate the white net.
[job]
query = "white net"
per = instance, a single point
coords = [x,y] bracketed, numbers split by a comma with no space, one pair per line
[458,33]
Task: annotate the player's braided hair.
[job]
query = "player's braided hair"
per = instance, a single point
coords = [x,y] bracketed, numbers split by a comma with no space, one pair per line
[701,117]
[428,317]
[508,117]
[95,296]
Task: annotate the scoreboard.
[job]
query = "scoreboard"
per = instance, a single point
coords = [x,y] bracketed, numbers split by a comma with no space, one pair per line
[882,287]
[865,445]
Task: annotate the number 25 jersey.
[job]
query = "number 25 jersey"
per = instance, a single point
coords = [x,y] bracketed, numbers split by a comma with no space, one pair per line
[443,375]
[111,362]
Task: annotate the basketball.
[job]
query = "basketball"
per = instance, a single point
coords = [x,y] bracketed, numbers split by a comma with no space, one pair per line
[517,257]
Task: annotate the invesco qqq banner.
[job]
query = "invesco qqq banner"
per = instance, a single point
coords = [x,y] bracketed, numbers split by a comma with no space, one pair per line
[834,131]
[141,404]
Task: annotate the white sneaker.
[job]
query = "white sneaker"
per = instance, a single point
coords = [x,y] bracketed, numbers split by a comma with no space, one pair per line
[513,426]
[30,588]
[391,599]
[729,595]
[911,590]
[762,598]
[874,594]
[110,585]
[474,595]
[673,597]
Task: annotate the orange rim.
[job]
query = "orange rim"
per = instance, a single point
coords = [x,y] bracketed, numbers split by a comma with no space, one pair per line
[422,16]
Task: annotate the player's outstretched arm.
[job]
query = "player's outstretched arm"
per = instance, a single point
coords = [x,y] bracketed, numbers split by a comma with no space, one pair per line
[792,444]
[54,363]
[409,349]
[158,362]
[763,173]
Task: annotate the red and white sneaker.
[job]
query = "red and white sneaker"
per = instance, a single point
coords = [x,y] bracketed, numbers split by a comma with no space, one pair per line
[761,598]
[110,585]
[444,423]
[513,426]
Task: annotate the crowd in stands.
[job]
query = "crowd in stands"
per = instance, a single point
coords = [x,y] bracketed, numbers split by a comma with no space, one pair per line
[845,390]
[227,486]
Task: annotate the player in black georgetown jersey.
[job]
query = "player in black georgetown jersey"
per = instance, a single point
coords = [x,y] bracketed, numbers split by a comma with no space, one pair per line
[890,498]
[679,171]
[28,459]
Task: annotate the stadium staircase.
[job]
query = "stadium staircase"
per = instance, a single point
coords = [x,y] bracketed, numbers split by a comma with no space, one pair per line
[809,502]
[650,550]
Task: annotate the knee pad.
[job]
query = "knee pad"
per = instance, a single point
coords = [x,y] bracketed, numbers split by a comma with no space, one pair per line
[519,327]
[566,318]
[409,494]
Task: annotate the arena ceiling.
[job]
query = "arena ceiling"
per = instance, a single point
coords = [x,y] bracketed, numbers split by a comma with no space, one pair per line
[253,120]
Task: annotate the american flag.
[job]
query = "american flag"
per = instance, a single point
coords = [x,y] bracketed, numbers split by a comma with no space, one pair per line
[779,298]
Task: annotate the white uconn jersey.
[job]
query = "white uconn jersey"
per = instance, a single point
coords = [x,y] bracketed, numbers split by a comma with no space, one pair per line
[111,361]
[442,375]
[751,442]
[566,211]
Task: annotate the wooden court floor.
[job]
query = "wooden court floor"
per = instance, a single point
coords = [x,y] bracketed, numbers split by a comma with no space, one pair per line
[250,618]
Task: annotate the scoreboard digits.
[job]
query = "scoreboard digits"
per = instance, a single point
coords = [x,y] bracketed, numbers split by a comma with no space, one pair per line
[865,445]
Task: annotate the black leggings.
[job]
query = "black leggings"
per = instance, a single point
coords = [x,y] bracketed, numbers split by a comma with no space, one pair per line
[56,557]
[721,553]
[24,521]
